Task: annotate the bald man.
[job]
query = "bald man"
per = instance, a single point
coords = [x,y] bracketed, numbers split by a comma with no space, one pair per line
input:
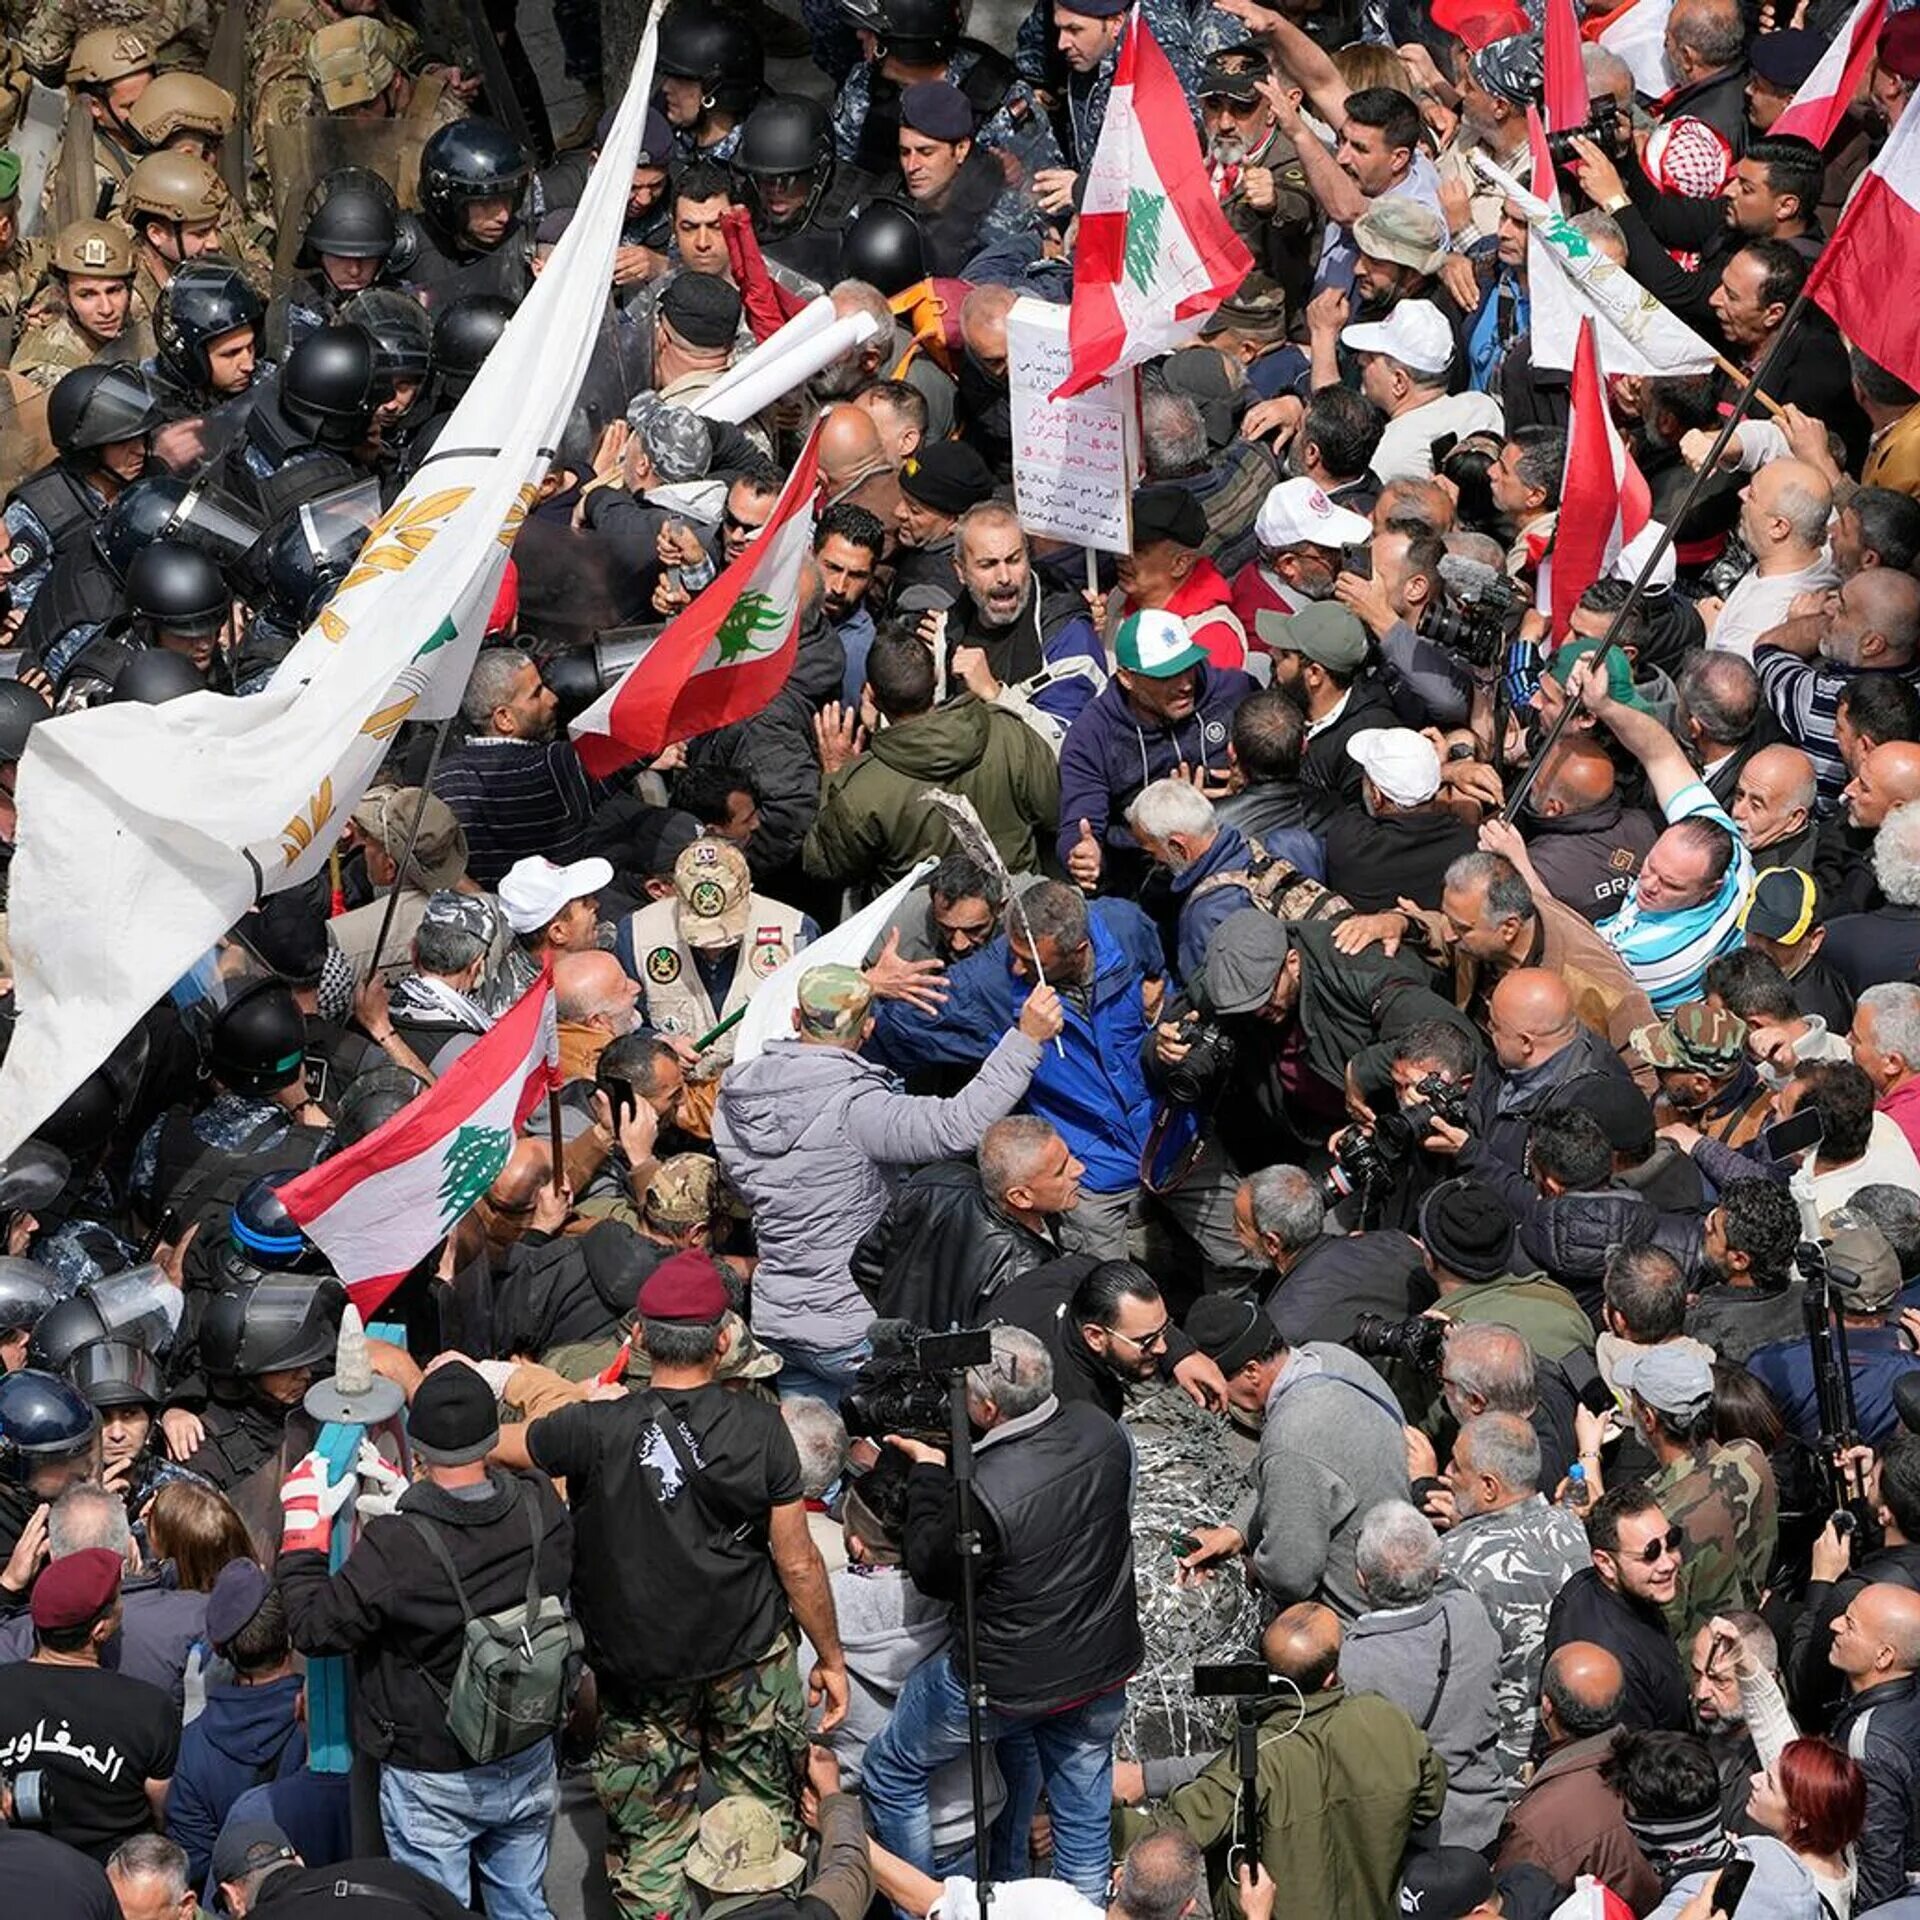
[1339,1794]
[1783,518]
[597,1001]
[1885,777]
[853,462]
[1873,628]
[1876,1647]
[1585,845]
[1773,802]
[1544,1057]
[1569,1821]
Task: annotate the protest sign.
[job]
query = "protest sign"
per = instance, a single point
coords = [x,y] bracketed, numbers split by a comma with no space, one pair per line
[1075,462]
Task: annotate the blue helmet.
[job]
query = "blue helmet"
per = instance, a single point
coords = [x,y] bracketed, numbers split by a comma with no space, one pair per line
[43,1422]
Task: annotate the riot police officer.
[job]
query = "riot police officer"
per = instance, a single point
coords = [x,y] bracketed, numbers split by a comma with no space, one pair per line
[712,73]
[474,177]
[152,678]
[799,195]
[403,337]
[26,1292]
[178,601]
[124,1385]
[49,1441]
[883,246]
[301,560]
[463,335]
[304,426]
[100,419]
[92,267]
[206,331]
[351,234]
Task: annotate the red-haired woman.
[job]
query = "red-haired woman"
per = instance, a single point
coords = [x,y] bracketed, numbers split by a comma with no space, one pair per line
[1814,1797]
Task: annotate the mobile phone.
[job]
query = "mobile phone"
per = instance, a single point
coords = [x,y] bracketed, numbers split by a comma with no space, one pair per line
[621,1099]
[1732,1886]
[1358,560]
[1793,1135]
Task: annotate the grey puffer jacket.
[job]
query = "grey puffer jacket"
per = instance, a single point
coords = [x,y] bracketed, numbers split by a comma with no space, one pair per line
[806,1134]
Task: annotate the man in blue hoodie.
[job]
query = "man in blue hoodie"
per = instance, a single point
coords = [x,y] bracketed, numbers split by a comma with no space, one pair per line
[250,1732]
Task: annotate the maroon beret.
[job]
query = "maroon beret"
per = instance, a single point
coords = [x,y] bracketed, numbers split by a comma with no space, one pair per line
[76,1588]
[1899,48]
[686,1287]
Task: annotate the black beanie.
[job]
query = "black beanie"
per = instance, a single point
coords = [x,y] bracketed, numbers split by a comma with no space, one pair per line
[454,1419]
[1468,1229]
[1231,1331]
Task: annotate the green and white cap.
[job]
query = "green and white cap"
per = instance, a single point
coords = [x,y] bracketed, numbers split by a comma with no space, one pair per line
[1156,643]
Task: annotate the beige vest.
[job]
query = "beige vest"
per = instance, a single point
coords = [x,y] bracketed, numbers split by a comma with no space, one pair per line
[677,999]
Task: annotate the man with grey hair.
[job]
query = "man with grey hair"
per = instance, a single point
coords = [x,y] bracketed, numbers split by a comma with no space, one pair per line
[1323,1281]
[436,1003]
[1886,1047]
[1059,1627]
[1783,520]
[1434,1654]
[513,786]
[1867,949]
[148,1875]
[1515,1551]
[819,1437]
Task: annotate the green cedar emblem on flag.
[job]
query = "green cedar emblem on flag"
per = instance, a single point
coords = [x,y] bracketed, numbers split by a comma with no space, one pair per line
[752,614]
[1143,235]
[473,1164]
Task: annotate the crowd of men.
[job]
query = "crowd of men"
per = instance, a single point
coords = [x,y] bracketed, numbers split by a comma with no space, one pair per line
[1358,983]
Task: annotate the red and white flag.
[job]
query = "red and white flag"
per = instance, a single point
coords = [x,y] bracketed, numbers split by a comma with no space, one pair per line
[1604,500]
[1567,101]
[1856,278]
[1637,33]
[722,658]
[1815,112]
[1155,255]
[383,1205]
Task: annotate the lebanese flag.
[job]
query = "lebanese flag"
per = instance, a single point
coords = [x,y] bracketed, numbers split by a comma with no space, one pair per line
[1815,112]
[1637,33]
[1567,102]
[1553,309]
[1604,500]
[383,1205]
[723,657]
[1155,255]
[1856,276]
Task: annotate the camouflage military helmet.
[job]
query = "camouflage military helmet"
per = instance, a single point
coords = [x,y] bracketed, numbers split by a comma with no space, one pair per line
[94,249]
[172,186]
[1694,1038]
[738,1849]
[182,103]
[833,1002]
[107,54]
[684,1191]
[352,62]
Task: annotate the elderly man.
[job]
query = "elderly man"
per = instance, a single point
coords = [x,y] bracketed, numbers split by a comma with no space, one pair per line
[1783,519]
[1406,366]
[1513,1550]
[1167,571]
[1403,837]
[1886,1048]
[597,1002]
[1302,534]
[937,485]
[1773,806]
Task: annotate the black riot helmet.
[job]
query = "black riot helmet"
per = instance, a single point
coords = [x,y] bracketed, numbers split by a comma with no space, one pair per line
[331,385]
[164,507]
[154,676]
[21,710]
[922,33]
[352,222]
[883,247]
[463,336]
[116,1373]
[62,1330]
[312,549]
[264,1233]
[785,135]
[268,1322]
[97,405]
[258,1042]
[176,589]
[44,1422]
[716,46]
[204,300]
[401,331]
[26,1293]
[470,160]
[82,1123]
[32,1176]
[372,1098]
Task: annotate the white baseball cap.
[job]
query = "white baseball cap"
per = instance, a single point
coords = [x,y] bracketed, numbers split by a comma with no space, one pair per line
[1415,333]
[534,890]
[1633,556]
[1400,762]
[1298,513]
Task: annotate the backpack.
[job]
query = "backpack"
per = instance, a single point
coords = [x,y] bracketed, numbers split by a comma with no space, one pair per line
[1277,888]
[515,1673]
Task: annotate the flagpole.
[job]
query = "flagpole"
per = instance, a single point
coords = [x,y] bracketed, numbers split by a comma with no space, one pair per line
[553,1130]
[1637,592]
[413,834]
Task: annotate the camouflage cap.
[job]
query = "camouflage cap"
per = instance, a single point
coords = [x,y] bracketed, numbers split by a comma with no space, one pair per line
[352,61]
[1405,231]
[677,442]
[833,1002]
[467,913]
[684,1190]
[106,54]
[711,885]
[94,249]
[1694,1038]
[1258,306]
[738,1849]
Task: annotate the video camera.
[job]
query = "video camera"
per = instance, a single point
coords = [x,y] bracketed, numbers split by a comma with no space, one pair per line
[1476,614]
[906,1387]
[1606,125]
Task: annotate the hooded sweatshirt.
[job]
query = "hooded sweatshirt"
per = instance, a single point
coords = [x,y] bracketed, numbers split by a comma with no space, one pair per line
[246,1737]
[808,1136]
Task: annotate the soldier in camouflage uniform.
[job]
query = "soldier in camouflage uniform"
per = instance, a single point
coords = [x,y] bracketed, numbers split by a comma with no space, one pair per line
[1721,1498]
[179,31]
[16,88]
[187,113]
[686,1488]
[357,66]
[87,308]
[1514,1552]
[23,262]
[110,69]
[179,210]
[1256,171]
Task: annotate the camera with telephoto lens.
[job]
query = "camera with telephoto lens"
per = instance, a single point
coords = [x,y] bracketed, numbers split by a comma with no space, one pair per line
[1369,1156]
[905,1387]
[1473,619]
[1606,125]
[1417,1340]
[1202,1071]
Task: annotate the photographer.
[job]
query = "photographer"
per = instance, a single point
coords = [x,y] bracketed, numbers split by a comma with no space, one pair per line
[1429,684]
[1058,1625]
[1430,1068]
[1332,1447]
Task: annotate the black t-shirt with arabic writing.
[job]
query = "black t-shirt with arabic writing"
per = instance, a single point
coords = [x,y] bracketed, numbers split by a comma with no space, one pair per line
[97,1738]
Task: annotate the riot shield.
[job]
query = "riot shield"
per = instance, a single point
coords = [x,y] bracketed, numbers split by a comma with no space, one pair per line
[76,187]
[25,445]
[227,67]
[36,140]
[301,155]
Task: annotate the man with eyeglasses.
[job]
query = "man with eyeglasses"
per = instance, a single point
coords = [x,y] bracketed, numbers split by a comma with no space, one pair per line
[1619,1603]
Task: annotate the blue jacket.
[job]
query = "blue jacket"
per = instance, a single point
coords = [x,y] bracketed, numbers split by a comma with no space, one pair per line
[1877,1359]
[1092,1087]
[1108,756]
[246,1737]
[1230,852]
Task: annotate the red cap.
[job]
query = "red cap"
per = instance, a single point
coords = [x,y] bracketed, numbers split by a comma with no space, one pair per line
[76,1588]
[686,1287]
[506,603]
[1899,48]
[1479,23]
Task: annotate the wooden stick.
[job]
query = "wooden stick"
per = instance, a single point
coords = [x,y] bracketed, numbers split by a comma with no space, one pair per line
[1740,375]
[553,1129]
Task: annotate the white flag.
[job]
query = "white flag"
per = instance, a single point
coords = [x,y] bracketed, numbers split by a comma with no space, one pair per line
[146,832]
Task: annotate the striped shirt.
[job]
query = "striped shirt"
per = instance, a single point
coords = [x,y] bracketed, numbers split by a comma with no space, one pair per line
[514,798]
[1668,952]
[1804,696]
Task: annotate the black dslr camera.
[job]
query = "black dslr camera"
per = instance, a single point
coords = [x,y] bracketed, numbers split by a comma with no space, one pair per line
[1368,1157]
[1418,1340]
[1474,621]
[906,1386]
[1606,125]
[1197,1078]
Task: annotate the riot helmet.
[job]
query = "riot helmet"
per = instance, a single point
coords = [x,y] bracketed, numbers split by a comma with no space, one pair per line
[401,332]
[96,406]
[116,1373]
[26,1293]
[270,1323]
[372,1098]
[466,332]
[329,385]
[466,161]
[205,300]
[785,137]
[883,247]
[351,223]
[266,1235]
[920,33]
[717,47]
[154,676]
[258,1041]
[311,551]
[32,1176]
[177,590]
[22,709]
[81,1125]
[44,1423]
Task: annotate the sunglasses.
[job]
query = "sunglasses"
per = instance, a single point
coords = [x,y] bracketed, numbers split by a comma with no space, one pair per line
[734,524]
[1145,1342]
[1657,1549]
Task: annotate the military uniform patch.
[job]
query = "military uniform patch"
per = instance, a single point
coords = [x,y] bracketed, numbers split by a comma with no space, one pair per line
[768,953]
[663,966]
